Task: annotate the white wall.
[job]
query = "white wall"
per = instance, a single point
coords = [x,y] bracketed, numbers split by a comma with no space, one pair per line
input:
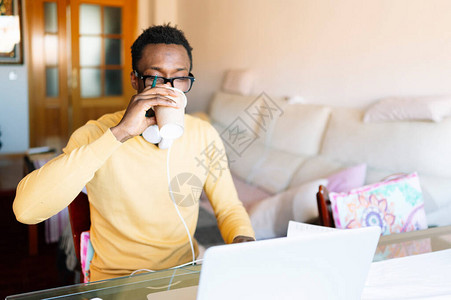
[145,15]
[14,121]
[342,53]
[14,108]
[156,12]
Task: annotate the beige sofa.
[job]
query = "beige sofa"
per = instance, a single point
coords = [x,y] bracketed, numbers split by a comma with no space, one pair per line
[276,146]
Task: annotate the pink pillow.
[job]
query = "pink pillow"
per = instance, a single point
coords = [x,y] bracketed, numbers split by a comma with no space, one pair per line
[347,179]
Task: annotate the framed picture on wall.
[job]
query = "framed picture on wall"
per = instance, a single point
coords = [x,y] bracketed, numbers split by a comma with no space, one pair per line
[11,32]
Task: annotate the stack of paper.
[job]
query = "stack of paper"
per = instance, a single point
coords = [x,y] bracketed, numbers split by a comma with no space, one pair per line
[423,276]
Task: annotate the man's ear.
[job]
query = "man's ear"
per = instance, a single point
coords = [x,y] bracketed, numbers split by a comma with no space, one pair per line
[134,80]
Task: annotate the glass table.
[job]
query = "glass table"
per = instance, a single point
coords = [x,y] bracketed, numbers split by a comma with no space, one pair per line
[142,285]
[131,287]
[414,242]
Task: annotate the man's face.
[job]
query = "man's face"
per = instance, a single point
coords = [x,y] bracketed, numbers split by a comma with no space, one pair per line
[166,60]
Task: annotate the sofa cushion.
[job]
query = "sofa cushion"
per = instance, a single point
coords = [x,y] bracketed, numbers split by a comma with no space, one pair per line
[276,155]
[315,167]
[242,163]
[232,109]
[225,108]
[433,108]
[274,171]
[393,146]
[269,169]
[300,129]
[440,217]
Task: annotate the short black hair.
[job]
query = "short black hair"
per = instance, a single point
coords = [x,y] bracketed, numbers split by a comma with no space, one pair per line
[160,34]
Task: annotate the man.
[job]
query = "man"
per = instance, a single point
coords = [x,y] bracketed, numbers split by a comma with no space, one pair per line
[135,221]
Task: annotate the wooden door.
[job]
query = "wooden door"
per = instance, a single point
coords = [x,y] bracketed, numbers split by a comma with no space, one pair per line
[102,34]
[79,64]
[47,76]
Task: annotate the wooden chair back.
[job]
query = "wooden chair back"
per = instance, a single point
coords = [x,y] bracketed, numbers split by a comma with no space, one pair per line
[324,207]
[80,219]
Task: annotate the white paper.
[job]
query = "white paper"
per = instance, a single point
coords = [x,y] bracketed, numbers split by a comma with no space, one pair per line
[422,276]
[298,228]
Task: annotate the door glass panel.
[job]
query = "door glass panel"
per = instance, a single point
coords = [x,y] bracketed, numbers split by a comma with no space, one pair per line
[90,48]
[90,83]
[112,20]
[112,51]
[90,19]
[100,43]
[50,17]
[113,82]
[51,82]
[51,49]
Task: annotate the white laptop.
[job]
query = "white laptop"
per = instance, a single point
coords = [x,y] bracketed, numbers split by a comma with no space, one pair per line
[327,265]
[311,265]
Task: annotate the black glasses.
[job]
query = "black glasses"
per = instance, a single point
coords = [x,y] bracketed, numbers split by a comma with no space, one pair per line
[183,83]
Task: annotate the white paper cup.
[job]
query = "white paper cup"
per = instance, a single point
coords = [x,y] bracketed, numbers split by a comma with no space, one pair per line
[171,121]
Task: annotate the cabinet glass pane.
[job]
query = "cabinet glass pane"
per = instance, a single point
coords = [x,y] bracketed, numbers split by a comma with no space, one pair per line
[90,83]
[113,82]
[51,49]
[50,17]
[51,82]
[90,47]
[112,20]
[112,51]
[90,19]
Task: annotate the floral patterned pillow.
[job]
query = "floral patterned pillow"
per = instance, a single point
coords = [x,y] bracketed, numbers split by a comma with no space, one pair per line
[395,205]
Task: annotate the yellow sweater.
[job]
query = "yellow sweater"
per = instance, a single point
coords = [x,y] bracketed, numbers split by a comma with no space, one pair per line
[134,223]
